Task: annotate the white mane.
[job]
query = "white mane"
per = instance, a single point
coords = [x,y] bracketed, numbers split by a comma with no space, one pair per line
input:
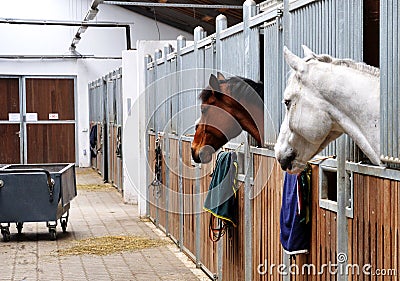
[360,66]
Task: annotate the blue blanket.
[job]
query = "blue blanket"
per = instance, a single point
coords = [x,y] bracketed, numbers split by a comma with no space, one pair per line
[295,213]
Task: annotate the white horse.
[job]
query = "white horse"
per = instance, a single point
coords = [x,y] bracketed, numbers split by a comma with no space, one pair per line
[326,97]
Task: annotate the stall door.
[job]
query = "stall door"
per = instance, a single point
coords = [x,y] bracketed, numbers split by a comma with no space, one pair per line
[10,121]
[50,120]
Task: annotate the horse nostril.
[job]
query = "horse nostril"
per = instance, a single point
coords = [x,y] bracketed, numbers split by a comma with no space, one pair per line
[286,162]
[195,156]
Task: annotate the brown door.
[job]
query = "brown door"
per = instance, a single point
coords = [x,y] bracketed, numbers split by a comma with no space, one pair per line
[50,138]
[9,121]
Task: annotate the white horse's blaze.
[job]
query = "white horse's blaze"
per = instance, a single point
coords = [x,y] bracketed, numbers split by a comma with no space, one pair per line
[327,97]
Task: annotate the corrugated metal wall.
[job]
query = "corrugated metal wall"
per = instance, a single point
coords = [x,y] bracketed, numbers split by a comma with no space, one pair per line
[105,112]
[390,96]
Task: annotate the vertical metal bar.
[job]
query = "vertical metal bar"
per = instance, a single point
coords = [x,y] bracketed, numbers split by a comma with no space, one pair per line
[167,112]
[156,96]
[181,43]
[390,106]
[249,10]
[221,24]
[219,259]
[157,55]
[342,233]
[287,35]
[24,137]
[197,207]
[384,19]
[395,79]
[105,129]
[199,63]
[166,184]
[147,60]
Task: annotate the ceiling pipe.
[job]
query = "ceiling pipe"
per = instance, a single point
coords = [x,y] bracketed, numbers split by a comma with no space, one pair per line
[82,27]
[172,5]
[50,57]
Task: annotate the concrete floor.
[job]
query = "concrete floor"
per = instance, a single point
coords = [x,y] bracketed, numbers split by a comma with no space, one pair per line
[32,256]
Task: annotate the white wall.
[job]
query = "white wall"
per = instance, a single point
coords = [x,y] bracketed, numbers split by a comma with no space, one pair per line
[134,126]
[55,40]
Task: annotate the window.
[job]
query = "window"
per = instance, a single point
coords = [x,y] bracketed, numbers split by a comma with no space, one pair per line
[328,189]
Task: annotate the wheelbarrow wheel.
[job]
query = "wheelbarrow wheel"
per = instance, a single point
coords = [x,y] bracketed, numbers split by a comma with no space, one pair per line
[64,226]
[20,225]
[6,234]
[53,234]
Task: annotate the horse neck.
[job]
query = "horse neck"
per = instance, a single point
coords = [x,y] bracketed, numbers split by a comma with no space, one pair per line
[253,122]
[355,108]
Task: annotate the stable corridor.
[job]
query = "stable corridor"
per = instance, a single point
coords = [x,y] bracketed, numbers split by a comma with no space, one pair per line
[97,211]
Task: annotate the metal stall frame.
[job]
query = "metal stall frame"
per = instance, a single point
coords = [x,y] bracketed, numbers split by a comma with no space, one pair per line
[291,24]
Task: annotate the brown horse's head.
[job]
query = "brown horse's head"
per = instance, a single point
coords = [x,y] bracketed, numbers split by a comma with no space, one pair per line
[228,106]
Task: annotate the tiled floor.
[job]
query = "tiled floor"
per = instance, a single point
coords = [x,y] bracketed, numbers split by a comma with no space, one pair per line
[100,212]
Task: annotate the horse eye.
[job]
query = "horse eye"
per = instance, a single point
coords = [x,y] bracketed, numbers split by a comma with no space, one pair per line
[203,109]
[287,103]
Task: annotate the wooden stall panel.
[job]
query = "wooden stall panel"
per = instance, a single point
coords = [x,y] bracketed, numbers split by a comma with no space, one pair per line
[188,182]
[10,144]
[9,97]
[51,143]
[173,206]
[268,183]
[151,162]
[233,245]
[375,228]
[50,95]
[9,133]
[161,201]
[209,253]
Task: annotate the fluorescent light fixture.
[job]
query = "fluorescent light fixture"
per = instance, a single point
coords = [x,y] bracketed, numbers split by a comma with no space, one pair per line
[91,14]
[75,41]
[82,29]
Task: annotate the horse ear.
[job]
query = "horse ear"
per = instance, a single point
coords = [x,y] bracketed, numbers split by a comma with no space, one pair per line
[214,83]
[307,52]
[294,61]
[220,76]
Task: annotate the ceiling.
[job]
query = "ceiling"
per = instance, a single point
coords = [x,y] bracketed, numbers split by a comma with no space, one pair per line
[188,18]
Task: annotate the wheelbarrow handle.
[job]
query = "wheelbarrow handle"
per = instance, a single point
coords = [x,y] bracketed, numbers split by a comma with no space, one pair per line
[50,181]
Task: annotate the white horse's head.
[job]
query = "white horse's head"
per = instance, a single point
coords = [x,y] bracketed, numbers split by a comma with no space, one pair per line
[319,99]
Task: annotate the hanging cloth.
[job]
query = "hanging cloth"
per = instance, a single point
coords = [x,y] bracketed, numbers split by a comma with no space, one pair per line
[221,200]
[295,213]
[93,140]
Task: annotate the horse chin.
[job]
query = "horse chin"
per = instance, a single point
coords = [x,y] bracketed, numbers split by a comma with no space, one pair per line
[296,167]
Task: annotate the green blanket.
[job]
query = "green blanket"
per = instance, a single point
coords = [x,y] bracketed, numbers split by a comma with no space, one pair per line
[221,197]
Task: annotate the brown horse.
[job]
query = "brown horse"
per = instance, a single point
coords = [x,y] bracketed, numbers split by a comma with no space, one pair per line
[228,107]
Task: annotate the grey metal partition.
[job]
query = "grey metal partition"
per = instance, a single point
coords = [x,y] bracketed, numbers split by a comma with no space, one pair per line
[273,79]
[327,28]
[390,95]
[105,110]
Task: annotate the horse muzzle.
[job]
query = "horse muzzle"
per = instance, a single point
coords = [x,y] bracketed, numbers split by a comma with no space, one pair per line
[286,162]
[203,155]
